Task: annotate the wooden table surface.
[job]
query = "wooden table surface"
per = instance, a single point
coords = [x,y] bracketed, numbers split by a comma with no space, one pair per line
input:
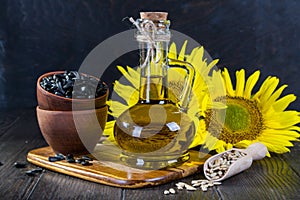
[271,178]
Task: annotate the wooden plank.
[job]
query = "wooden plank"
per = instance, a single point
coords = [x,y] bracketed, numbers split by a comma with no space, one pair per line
[109,170]
[8,119]
[292,158]
[15,142]
[54,185]
[158,192]
[15,184]
[269,178]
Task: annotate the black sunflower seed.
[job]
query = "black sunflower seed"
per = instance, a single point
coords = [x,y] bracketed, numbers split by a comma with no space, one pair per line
[1,163]
[60,156]
[85,157]
[79,160]
[37,170]
[29,173]
[85,163]
[20,165]
[70,158]
[53,159]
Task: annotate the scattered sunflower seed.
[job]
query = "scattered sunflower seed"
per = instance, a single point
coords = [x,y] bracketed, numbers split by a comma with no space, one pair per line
[180,184]
[53,159]
[85,163]
[172,191]
[203,184]
[37,170]
[1,163]
[70,158]
[166,192]
[20,165]
[189,187]
[87,158]
[30,173]
[60,156]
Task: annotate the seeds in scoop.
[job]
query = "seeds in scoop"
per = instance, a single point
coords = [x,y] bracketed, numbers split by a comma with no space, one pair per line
[19,165]
[217,168]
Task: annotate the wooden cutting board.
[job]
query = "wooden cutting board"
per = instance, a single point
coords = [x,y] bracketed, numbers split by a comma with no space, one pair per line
[110,171]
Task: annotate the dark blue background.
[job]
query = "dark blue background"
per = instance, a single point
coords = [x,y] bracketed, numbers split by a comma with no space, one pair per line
[37,36]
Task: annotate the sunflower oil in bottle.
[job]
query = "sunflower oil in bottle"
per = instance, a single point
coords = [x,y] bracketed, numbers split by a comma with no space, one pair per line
[156,132]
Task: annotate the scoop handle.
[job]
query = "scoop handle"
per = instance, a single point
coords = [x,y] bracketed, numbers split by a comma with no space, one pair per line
[257,151]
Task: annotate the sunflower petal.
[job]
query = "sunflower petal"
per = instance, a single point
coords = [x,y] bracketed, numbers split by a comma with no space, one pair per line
[283,120]
[128,93]
[219,89]
[172,51]
[276,148]
[269,91]
[109,126]
[228,82]
[252,80]
[116,108]
[134,80]
[182,51]
[283,134]
[273,98]
[240,83]
[196,58]
[266,84]
[284,102]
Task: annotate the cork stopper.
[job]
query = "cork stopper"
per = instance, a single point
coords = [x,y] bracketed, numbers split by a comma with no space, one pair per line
[154,16]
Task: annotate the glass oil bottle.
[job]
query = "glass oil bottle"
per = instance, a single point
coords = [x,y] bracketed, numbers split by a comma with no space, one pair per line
[156,132]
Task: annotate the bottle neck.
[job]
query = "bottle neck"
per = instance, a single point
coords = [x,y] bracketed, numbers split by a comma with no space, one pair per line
[153,38]
[153,64]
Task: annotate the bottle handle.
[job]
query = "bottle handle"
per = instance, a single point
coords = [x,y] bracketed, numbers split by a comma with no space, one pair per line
[184,99]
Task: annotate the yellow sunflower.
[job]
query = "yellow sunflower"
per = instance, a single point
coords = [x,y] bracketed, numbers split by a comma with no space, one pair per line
[252,117]
[126,95]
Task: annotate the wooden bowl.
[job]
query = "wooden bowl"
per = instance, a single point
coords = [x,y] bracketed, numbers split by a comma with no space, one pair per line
[48,101]
[75,132]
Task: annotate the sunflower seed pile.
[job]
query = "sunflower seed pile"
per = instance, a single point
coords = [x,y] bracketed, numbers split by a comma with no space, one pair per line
[86,87]
[217,168]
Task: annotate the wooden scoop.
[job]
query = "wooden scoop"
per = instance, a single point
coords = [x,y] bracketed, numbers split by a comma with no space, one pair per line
[255,151]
